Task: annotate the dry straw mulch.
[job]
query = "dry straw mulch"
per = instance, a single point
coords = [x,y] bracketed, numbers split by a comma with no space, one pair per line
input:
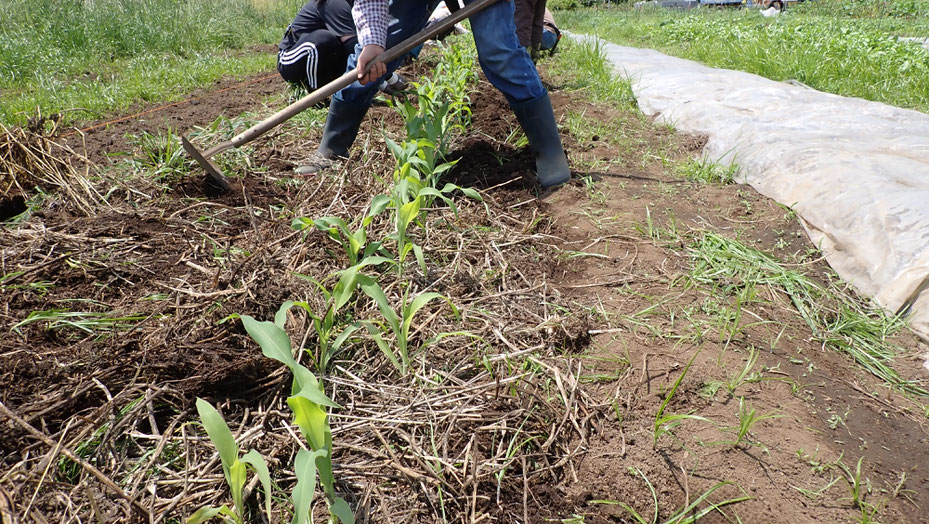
[33,158]
[99,423]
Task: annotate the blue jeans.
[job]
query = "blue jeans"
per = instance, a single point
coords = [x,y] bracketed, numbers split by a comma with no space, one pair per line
[504,62]
[549,39]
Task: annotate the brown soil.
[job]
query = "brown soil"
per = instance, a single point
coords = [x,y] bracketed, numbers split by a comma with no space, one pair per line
[183,264]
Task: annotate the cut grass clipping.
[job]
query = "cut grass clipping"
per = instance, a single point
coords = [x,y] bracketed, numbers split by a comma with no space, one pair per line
[839,321]
[689,514]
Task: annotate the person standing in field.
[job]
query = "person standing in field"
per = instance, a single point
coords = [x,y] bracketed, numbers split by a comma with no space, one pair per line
[505,63]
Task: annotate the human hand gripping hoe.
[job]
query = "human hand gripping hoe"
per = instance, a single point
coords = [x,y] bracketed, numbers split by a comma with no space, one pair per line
[215,176]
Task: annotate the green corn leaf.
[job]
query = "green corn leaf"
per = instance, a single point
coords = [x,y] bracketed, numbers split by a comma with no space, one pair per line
[302,496]
[301,223]
[275,344]
[272,339]
[378,204]
[332,226]
[394,148]
[417,304]
[371,248]
[443,168]
[203,514]
[435,193]
[373,290]
[236,479]
[409,211]
[420,257]
[405,250]
[469,192]
[312,420]
[376,336]
[281,316]
[306,386]
[345,288]
[219,434]
[257,462]
[343,336]
[342,511]
[358,239]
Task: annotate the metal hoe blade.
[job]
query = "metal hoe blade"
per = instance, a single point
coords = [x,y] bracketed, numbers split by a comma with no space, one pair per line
[211,169]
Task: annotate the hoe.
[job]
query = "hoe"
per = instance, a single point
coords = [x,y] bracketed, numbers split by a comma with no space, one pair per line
[216,178]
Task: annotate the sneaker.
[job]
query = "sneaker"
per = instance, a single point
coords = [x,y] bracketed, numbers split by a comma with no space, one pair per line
[393,85]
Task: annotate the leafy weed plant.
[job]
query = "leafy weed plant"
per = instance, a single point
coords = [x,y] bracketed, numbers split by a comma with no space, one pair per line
[397,323]
[748,417]
[836,318]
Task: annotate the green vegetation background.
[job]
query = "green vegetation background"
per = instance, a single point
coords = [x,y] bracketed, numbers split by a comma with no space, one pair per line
[106,55]
[850,48]
[88,58]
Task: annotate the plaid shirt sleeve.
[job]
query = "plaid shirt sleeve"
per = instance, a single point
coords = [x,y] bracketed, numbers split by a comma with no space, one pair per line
[371,20]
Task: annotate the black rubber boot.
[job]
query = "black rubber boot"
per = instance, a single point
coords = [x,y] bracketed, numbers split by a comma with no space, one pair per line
[538,122]
[342,125]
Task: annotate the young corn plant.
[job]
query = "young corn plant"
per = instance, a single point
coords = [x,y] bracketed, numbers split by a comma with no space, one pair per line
[666,423]
[413,191]
[309,404]
[331,331]
[397,323]
[352,237]
[235,469]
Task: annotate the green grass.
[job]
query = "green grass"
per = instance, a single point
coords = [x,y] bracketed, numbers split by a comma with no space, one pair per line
[840,321]
[100,324]
[106,55]
[688,514]
[821,45]
[583,67]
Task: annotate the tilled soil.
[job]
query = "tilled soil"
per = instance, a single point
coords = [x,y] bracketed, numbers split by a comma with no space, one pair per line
[183,265]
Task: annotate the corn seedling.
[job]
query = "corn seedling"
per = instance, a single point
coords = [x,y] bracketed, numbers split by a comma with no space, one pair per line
[308,403]
[353,238]
[664,423]
[689,514]
[234,468]
[397,324]
[413,190]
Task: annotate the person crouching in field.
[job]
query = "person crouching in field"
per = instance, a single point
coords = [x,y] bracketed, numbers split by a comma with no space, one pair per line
[505,63]
[316,45]
[535,27]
